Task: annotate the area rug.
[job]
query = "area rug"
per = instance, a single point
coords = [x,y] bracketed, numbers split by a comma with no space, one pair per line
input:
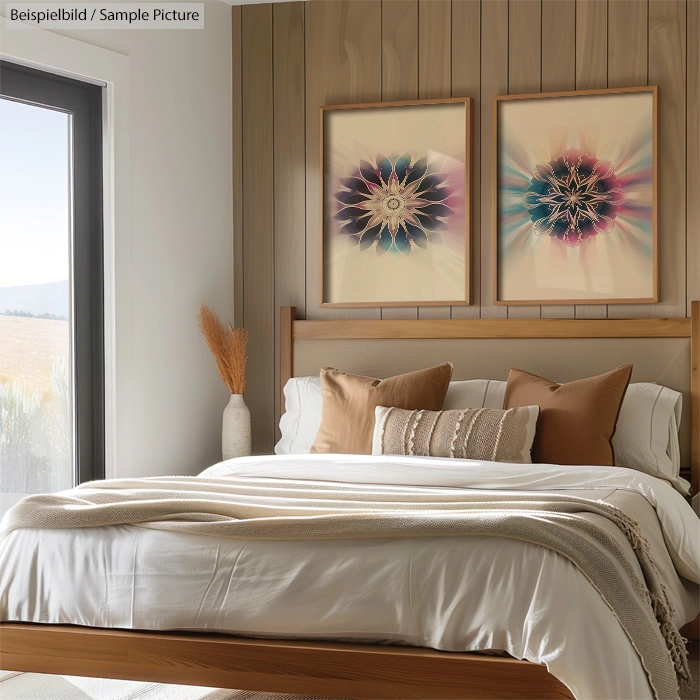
[37,686]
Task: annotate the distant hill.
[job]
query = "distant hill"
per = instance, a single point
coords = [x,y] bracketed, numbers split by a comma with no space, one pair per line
[37,299]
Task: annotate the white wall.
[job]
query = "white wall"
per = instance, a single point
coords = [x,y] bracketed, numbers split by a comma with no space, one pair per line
[180,252]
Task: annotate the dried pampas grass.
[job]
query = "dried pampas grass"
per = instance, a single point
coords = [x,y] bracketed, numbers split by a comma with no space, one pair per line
[229,347]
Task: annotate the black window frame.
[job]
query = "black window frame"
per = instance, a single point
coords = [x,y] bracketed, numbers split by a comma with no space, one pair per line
[84,102]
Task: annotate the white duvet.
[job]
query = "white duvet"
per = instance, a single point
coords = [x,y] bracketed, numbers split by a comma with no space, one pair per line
[452,593]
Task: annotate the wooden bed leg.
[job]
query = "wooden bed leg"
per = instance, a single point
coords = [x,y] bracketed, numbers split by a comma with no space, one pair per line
[287,316]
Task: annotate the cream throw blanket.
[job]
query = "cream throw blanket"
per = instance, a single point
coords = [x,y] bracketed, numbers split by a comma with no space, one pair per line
[591,534]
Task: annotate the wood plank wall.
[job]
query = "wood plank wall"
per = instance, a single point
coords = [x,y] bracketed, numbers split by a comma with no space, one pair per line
[291,58]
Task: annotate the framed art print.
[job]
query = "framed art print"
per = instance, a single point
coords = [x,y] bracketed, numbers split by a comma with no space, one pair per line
[576,197]
[395,203]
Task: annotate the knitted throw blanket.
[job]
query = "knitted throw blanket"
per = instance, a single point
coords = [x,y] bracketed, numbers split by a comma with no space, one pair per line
[591,534]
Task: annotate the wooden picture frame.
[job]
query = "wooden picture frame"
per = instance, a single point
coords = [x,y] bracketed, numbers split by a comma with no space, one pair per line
[642,237]
[452,240]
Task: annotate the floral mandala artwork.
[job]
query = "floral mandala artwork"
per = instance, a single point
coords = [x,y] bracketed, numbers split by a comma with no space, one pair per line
[573,197]
[576,198]
[395,204]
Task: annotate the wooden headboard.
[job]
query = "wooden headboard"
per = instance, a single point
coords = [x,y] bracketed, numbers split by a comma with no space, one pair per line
[663,350]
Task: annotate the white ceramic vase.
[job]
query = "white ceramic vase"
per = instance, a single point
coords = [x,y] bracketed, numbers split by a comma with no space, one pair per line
[235,434]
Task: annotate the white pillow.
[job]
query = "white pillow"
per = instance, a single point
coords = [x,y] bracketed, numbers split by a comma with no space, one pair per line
[475,393]
[646,437]
[302,417]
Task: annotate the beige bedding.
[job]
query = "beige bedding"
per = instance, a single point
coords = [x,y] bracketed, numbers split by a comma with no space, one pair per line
[605,544]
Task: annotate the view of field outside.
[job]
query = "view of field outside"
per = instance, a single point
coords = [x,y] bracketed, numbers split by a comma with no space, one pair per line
[35,347]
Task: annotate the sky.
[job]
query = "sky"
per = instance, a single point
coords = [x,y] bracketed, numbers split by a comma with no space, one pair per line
[34,194]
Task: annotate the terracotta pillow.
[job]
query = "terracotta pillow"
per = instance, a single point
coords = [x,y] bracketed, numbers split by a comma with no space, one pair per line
[577,420]
[349,400]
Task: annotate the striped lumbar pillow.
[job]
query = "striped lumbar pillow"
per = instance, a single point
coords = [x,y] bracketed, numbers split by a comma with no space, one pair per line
[488,434]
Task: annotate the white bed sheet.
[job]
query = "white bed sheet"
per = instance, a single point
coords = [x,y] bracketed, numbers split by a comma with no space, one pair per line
[446,593]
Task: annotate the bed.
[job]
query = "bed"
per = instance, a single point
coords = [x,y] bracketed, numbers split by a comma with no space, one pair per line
[286,662]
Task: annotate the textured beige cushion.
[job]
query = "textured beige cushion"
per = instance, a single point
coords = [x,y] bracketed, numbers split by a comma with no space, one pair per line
[349,400]
[490,434]
[577,420]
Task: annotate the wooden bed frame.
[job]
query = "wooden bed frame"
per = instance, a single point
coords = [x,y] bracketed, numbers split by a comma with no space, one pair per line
[335,669]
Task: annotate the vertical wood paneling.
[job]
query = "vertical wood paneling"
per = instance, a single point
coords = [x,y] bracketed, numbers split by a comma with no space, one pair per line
[237,125]
[693,153]
[628,24]
[558,73]
[558,45]
[524,47]
[434,49]
[434,76]
[591,72]
[289,153]
[627,43]
[400,50]
[524,76]
[466,82]
[343,65]
[290,60]
[258,221]
[591,44]
[494,81]
[667,36]
[400,78]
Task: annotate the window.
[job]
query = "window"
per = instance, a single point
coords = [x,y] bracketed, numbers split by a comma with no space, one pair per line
[51,283]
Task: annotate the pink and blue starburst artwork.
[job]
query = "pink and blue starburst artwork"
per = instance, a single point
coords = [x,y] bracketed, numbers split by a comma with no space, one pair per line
[576,197]
[395,201]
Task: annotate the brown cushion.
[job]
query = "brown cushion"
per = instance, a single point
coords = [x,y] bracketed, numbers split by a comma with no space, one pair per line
[349,400]
[577,420]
